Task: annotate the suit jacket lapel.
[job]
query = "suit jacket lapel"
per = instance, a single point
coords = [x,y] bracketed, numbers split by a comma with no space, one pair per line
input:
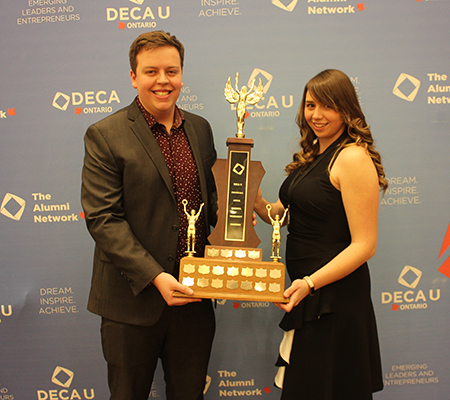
[140,128]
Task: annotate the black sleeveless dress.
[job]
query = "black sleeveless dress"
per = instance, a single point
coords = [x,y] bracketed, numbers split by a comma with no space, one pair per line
[335,352]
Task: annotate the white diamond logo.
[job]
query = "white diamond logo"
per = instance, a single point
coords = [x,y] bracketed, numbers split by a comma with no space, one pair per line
[66,99]
[61,372]
[413,278]
[401,79]
[9,197]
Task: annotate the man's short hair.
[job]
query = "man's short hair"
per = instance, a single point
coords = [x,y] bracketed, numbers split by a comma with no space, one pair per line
[153,40]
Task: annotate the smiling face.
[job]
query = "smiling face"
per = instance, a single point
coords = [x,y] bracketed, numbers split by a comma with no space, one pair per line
[158,80]
[326,123]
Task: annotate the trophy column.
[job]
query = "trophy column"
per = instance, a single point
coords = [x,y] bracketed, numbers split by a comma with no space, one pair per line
[237,181]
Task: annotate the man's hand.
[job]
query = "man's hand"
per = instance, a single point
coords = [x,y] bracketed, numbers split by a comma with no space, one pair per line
[167,284]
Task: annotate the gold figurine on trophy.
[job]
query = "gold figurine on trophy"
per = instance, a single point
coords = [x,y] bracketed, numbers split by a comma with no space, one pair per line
[277,223]
[243,97]
[192,219]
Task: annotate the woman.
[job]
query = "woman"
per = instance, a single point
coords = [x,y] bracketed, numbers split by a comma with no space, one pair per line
[330,349]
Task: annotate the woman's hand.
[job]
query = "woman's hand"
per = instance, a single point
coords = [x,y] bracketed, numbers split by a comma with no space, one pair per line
[298,290]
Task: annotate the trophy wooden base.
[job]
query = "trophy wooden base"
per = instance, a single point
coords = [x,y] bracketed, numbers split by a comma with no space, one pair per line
[232,276]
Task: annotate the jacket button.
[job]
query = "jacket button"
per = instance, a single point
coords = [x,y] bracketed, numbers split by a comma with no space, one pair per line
[174,227]
[170,258]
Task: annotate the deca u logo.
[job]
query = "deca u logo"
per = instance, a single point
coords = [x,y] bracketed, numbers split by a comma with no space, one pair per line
[61,100]
[403,80]
[63,377]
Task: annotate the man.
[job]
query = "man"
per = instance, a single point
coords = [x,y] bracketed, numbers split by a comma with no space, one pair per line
[140,164]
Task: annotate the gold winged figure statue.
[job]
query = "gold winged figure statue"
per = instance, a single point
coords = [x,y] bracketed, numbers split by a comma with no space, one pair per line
[243,97]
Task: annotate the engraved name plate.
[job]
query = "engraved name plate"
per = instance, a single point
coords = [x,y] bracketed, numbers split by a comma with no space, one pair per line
[237,196]
[254,254]
[203,269]
[218,270]
[202,282]
[189,268]
[275,273]
[240,253]
[227,253]
[232,284]
[274,287]
[187,281]
[217,283]
[261,272]
[212,252]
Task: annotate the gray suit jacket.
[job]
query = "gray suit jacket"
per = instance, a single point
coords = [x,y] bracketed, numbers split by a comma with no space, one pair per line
[131,211]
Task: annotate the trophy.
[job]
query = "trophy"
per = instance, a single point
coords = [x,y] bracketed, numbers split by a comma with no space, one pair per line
[232,267]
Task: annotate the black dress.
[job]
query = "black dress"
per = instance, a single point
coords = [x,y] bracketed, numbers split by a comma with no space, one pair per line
[335,352]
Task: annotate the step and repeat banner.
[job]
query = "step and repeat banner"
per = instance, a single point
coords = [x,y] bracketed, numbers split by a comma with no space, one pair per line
[64,66]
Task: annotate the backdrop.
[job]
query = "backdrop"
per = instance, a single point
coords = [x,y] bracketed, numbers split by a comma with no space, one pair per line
[64,65]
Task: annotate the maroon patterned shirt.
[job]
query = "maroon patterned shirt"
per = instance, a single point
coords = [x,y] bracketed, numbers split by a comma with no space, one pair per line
[183,171]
